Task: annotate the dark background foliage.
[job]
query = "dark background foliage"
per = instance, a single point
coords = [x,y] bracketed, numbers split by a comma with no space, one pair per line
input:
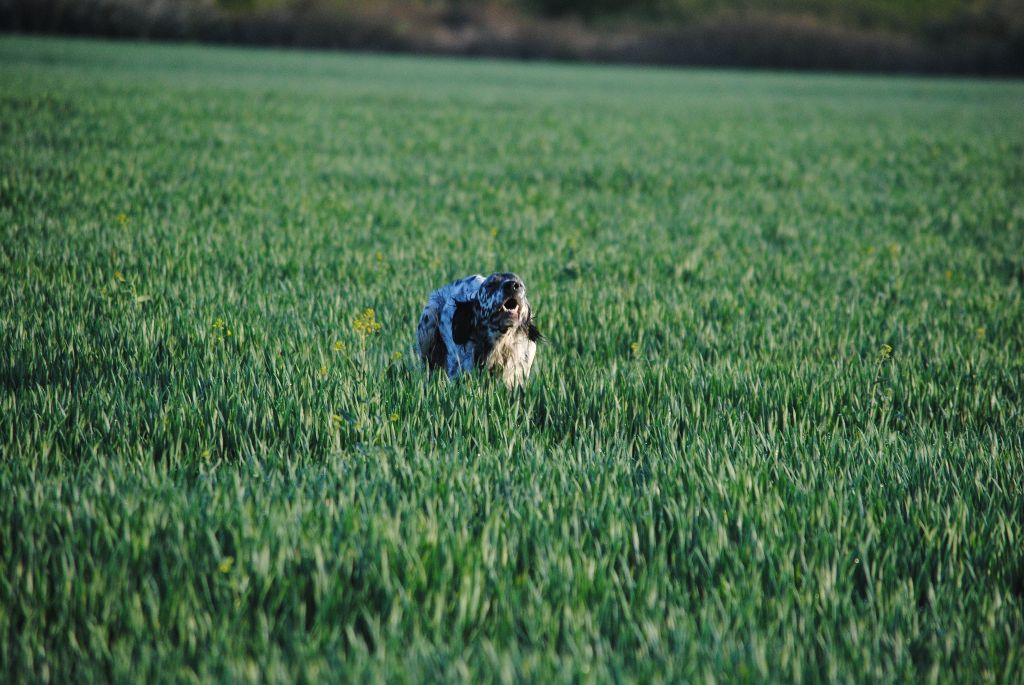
[944,36]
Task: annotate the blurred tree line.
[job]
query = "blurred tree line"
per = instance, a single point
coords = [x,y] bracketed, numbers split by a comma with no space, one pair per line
[948,36]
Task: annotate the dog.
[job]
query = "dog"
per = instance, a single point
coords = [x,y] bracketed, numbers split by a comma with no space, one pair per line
[478,322]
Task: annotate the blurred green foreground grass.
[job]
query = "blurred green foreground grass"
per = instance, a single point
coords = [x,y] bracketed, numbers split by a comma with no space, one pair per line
[775,432]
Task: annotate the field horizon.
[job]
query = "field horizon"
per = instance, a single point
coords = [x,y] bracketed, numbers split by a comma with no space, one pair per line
[775,431]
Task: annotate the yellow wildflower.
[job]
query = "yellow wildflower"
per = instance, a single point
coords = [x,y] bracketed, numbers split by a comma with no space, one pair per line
[366,323]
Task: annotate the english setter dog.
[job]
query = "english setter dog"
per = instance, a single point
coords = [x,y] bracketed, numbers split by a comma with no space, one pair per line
[479,322]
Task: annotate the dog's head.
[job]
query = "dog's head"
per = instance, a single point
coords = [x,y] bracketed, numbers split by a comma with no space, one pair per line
[500,307]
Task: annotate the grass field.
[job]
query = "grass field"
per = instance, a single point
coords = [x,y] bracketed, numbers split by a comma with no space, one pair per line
[775,432]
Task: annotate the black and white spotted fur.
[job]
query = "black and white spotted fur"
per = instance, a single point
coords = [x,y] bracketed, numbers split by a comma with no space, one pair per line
[478,322]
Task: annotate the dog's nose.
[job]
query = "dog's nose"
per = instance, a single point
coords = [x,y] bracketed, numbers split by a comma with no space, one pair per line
[513,286]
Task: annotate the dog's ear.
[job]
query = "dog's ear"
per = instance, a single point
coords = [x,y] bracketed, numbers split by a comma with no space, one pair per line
[532,332]
[463,322]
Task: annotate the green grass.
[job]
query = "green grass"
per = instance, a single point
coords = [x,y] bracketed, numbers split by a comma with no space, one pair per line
[717,473]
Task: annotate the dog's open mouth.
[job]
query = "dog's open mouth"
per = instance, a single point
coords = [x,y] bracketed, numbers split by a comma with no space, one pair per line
[510,305]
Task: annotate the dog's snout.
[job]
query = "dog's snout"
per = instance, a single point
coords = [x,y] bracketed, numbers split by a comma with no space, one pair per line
[513,286]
